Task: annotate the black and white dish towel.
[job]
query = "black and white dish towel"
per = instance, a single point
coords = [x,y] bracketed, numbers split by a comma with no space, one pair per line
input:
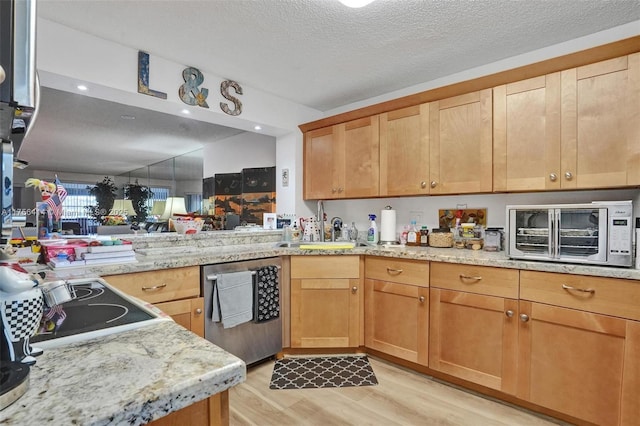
[267,294]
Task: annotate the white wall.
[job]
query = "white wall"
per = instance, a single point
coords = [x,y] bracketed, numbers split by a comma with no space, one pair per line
[238,152]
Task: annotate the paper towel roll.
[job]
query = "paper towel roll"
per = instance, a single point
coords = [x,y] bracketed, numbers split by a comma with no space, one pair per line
[388,226]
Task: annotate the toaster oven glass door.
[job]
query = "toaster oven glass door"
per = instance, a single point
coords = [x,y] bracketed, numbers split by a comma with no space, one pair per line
[581,234]
[531,233]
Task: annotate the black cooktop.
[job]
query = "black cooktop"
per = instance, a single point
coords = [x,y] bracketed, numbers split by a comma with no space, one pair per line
[96,307]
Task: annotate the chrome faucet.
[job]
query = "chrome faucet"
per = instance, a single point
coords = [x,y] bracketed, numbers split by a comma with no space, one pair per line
[320,217]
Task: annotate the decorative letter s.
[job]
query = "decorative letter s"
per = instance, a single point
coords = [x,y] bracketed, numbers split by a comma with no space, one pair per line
[224,90]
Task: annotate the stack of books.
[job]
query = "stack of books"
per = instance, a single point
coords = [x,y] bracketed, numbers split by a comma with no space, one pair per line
[96,255]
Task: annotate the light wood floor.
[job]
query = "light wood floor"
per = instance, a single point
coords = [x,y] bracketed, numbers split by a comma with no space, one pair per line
[402,397]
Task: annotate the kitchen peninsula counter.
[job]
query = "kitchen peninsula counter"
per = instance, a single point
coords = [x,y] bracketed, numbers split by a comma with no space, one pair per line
[171,250]
[127,378]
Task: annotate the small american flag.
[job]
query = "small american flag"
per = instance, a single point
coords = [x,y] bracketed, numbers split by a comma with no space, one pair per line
[55,201]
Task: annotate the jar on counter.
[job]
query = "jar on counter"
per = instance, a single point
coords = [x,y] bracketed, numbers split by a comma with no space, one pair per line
[493,239]
[424,237]
[441,237]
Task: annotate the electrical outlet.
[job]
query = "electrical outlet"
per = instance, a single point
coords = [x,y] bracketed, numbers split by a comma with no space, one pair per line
[418,216]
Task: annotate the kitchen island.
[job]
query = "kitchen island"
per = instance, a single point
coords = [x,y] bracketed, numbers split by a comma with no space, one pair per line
[131,378]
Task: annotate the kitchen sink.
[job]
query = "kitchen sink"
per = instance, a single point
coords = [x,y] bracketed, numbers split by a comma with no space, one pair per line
[322,245]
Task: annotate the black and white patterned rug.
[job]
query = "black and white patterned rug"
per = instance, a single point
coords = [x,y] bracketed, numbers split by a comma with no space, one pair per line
[322,372]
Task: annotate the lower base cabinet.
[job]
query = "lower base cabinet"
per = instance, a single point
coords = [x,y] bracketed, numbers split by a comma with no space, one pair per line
[474,337]
[573,361]
[213,411]
[397,320]
[325,302]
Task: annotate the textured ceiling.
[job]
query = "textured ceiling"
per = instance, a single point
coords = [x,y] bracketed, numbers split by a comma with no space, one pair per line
[323,55]
[316,53]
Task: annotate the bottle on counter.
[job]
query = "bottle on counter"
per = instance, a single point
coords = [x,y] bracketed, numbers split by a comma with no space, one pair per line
[424,237]
[413,236]
[353,232]
[372,232]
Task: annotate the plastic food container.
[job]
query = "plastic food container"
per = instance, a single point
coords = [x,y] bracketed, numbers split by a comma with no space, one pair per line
[441,237]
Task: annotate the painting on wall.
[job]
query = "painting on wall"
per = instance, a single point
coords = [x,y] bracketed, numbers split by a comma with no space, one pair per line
[228,193]
[258,194]
[248,194]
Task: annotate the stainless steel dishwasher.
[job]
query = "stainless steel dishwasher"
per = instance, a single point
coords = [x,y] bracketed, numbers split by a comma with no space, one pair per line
[251,341]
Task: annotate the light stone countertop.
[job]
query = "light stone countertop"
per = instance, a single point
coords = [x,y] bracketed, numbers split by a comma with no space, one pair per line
[126,378]
[178,251]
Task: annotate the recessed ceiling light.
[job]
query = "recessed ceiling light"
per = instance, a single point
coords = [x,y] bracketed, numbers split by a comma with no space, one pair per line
[186,111]
[257,127]
[127,117]
[82,87]
[355,3]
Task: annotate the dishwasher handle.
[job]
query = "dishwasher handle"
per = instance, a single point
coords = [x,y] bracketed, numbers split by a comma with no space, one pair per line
[214,277]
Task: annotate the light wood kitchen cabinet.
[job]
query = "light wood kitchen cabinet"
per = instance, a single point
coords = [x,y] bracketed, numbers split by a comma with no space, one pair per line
[342,161]
[581,356]
[572,361]
[461,144]
[326,301]
[526,135]
[600,124]
[397,307]
[404,151]
[474,324]
[175,291]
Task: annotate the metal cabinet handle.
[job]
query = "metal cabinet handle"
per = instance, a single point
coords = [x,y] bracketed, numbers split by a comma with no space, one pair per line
[155,287]
[198,311]
[423,184]
[583,290]
[553,177]
[524,317]
[509,313]
[568,175]
[354,289]
[394,271]
[340,190]
[333,190]
[422,299]
[468,277]
[434,183]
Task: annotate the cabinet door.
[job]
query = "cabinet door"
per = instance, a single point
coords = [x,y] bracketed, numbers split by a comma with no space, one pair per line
[474,337]
[323,163]
[397,319]
[404,151]
[460,143]
[189,313]
[600,113]
[526,135]
[571,361]
[630,414]
[325,312]
[361,158]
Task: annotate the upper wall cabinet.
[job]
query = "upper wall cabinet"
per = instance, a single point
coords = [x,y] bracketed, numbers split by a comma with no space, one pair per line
[600,127]
[404,151]
[526,135]
[460,144]
[342,161]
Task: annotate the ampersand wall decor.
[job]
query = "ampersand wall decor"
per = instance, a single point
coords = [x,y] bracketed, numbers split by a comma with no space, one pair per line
[189,92]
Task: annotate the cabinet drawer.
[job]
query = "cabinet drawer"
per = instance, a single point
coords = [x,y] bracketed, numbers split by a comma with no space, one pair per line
[486,280]
[397,270]
[325,267]
[159,286]
[609,296]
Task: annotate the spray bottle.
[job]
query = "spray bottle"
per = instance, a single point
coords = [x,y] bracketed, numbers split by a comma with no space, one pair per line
[372,233]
